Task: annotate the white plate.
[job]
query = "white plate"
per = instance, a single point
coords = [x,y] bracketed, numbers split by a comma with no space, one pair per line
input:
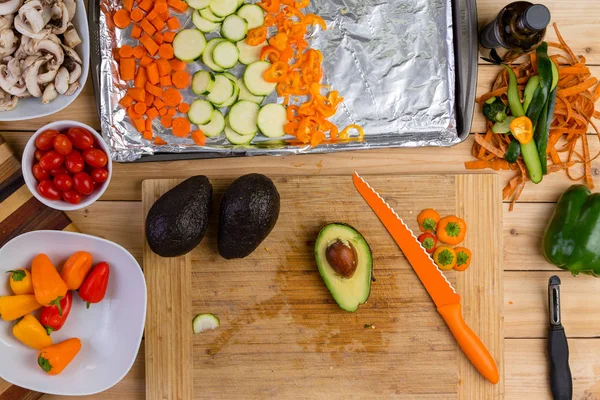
[32,107]
[110,331]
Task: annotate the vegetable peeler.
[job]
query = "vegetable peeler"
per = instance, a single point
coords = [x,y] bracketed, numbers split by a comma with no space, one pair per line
[561,382]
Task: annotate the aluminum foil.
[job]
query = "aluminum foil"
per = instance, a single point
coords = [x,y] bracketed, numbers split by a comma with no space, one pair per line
[391,60]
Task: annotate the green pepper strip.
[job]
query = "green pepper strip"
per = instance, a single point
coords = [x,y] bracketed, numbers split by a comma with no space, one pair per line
[540,97]
[542,130]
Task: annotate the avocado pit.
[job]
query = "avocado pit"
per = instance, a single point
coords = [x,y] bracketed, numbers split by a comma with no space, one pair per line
[342,258]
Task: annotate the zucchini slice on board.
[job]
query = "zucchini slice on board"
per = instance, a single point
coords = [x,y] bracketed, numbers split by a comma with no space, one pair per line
[253,78]
[189,44]
[216,125]
[203,24]
[202,82]
[223,8]
[200,112]
[207,56]
[234,28]
[221,91]
[226,55]
[246,95]
[198,4]
[253,14]
[249,54]
[243,117]
[205,322]
[271,120]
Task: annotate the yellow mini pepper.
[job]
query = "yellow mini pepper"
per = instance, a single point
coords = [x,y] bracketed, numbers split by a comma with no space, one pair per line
[20,281]
[48,286]
[13,307]
[31,333]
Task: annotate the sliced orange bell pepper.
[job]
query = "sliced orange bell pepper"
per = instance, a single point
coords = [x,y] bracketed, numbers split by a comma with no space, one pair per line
[256,36]
[276,72]
[279,41]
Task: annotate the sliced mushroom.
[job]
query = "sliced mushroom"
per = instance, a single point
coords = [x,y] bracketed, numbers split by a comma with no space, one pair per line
[6,21]
[26,48]
[52,37]
[50,93]
[31,75]
[9,6]
[60,18]
[28,61]
[11,78]
[48,46]
[71,37]
[74,69]
[7,102]
[8,42]
[69,52]
[32,19]
[61,82]
[71,8]
[72,89]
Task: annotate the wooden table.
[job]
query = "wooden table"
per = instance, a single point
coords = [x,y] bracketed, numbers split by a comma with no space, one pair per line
[118,217]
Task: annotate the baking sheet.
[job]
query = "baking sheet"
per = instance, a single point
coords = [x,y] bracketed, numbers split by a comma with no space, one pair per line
[393,62]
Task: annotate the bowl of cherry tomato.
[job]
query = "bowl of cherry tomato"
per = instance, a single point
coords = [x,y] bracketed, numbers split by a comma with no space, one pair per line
[66,165]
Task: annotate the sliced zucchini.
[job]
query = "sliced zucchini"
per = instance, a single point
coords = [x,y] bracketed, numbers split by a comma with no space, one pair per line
[231,77]
[223,8]
[249,54]
[208,15]
[243,117]
[234,28]
[202,23]
[189,44]
[221,91]
[234,96]
[271,119]
[236,138]
[226,54]
[198,4]
[207,58]
[253,78]
[202,82]
[205,322]
[216,125]
[253,14]
[200,112]
[246,95]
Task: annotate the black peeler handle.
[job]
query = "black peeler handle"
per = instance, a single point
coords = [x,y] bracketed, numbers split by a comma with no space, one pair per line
[561,382]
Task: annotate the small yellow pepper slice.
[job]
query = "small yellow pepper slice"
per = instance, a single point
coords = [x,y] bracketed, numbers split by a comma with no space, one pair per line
[522,129]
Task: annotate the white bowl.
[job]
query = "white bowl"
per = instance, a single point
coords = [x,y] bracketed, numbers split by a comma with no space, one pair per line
[110,331]
[32,183]
[32,107]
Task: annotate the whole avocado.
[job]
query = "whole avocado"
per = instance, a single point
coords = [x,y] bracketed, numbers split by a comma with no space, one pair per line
[249,211]
[178,220]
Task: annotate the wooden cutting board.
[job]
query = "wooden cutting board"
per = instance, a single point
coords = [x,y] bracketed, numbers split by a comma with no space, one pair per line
[283,336]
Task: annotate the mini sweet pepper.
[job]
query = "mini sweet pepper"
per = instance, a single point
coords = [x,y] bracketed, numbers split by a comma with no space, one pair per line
[76,269]
[31,333]
[20,281]
[48,286]
[14,307]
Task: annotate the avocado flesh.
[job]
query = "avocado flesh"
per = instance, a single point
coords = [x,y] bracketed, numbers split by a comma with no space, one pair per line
[350,292]
[249,212]
[178,220]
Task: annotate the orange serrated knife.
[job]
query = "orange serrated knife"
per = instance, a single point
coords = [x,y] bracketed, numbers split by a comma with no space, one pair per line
[441,291]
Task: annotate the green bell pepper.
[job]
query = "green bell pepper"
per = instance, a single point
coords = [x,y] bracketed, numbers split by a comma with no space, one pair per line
[572,239]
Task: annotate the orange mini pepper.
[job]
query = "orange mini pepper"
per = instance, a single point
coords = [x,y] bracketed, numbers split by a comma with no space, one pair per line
[54,359]
[277,72]
[444,257]
[522,129]
[48,286]
[279,41]
[20,281]
[428,220]
[256,36]
[463,258]
[451,230]
[76,269]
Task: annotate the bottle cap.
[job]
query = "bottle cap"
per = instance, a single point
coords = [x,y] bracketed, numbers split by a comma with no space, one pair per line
[537,17]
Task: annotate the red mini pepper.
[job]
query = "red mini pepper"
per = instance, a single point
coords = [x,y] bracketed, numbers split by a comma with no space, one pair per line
[51,318]
[428,241]
[93,288]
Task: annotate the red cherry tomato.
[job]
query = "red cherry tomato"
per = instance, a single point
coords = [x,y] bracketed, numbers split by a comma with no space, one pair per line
[45,140]
[95,158]
[83,183]
[62,144]
[63,182]
[39,154]
[74,162]
[59,170]
[48,190]
[51,160]
[72,196]
[99,175]
[40,173]
[80,138]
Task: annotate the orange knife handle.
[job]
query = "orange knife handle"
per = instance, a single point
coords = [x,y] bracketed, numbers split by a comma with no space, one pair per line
[468,341]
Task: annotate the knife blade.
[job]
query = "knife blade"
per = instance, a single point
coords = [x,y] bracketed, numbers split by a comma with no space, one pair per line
[446,299]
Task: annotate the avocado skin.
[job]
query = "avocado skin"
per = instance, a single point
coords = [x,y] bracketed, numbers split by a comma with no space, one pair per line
[178,220]
[249,211]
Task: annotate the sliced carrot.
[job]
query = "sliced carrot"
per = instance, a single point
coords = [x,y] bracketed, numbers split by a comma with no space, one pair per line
[199,138]
[166,51]
[172,97]
[150,98]
[158,39]
[147,135]
[147,27]
[126,51]
[149,124]
[139,51]
[149,44]
[126,101]
[181,79]
[122,19]
[140,78]
[164,16]
[183,108]
[128,5]
[137,94]
[127,68]
[136,15]
[178,5]
[164,67]
[166,121]
[145,61]
[177,65]
[155,90]
[152,112]
[173,24]
[161,6]
[172,112]
[181,127]
[139,108]
[168,36]
[165,81]
[159,104]
[132,114]
[140,125]
[159,142]
[136,32]
[151,15]
[153,75]
[162,111]
[146,5]
[158,23]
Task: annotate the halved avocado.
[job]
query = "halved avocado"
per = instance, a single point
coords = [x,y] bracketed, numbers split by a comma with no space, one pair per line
[345,263]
